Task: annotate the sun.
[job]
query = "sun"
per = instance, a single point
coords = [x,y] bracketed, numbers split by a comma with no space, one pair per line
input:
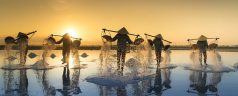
[72,32]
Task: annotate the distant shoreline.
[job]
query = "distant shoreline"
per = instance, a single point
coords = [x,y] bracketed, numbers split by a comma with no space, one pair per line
[97,47]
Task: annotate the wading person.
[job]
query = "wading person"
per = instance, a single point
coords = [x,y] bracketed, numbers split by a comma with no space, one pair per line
[159,45]
[22,41]
[66,47]
[202,45]
[122,41]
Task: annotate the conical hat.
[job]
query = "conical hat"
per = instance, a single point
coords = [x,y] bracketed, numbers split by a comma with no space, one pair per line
[123,31]
[202,38]
[159,36]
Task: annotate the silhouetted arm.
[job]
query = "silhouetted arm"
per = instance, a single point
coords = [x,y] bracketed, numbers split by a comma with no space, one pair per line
[162,44]
[153,42]
[129,40]
[60,41]
[31,32]
[206,44]
[115,38]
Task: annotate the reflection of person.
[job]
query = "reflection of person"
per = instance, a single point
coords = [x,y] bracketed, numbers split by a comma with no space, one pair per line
[23,87]
[202,45]
[48,89]
[214,81]
[198,82]
[66,82]
[22,41]
[75,82]
[122,40]
[66,47]
[121,90]
[158,88]
[70,87]
[166,75]
[158,43]
[158,85]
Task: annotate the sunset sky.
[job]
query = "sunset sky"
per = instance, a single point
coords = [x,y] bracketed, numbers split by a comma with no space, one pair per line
[176,20]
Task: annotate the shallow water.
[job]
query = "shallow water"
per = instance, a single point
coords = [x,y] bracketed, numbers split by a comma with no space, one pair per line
[40,82]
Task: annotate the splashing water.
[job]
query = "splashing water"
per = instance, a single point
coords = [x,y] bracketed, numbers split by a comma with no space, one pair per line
[134,68]
[23,44]
[147,59]
[106,60]
[216,62]
[8,48]
[10,54]
[166,58]
[194,56]
[48,90]
[9,82]
[105,51]
[138,52]
[74,58]
[47,48]
[149,55]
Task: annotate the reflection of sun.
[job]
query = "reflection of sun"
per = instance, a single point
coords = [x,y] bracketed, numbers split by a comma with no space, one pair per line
[72,32]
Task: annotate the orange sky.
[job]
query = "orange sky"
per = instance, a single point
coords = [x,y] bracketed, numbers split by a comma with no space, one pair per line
[176,20]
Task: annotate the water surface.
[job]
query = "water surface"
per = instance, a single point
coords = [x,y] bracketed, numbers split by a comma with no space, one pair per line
[180,81]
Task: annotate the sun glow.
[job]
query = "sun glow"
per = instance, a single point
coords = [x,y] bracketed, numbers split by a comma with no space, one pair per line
[72,32]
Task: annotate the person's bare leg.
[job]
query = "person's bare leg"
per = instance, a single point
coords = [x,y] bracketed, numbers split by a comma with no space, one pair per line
[118,59]
[157,57]
[25,56]
[64,56]
[200,57]
[205,57]
[67,57]
[123,59]
[159,53]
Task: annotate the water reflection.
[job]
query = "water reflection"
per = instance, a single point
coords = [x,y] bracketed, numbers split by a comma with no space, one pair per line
[48,89]
[23,87]
[16,86]
[166,82]
[70,87]
[199,84]
[121,91]
[105,91]
[8,81]
[160,85]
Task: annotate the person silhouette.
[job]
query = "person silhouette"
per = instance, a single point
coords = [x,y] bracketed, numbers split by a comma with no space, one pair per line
[67,42]
[202,45]
[22,41]
[122,40]
[159,45]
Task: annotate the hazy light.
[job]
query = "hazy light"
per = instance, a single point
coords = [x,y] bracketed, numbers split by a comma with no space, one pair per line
[72,32]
